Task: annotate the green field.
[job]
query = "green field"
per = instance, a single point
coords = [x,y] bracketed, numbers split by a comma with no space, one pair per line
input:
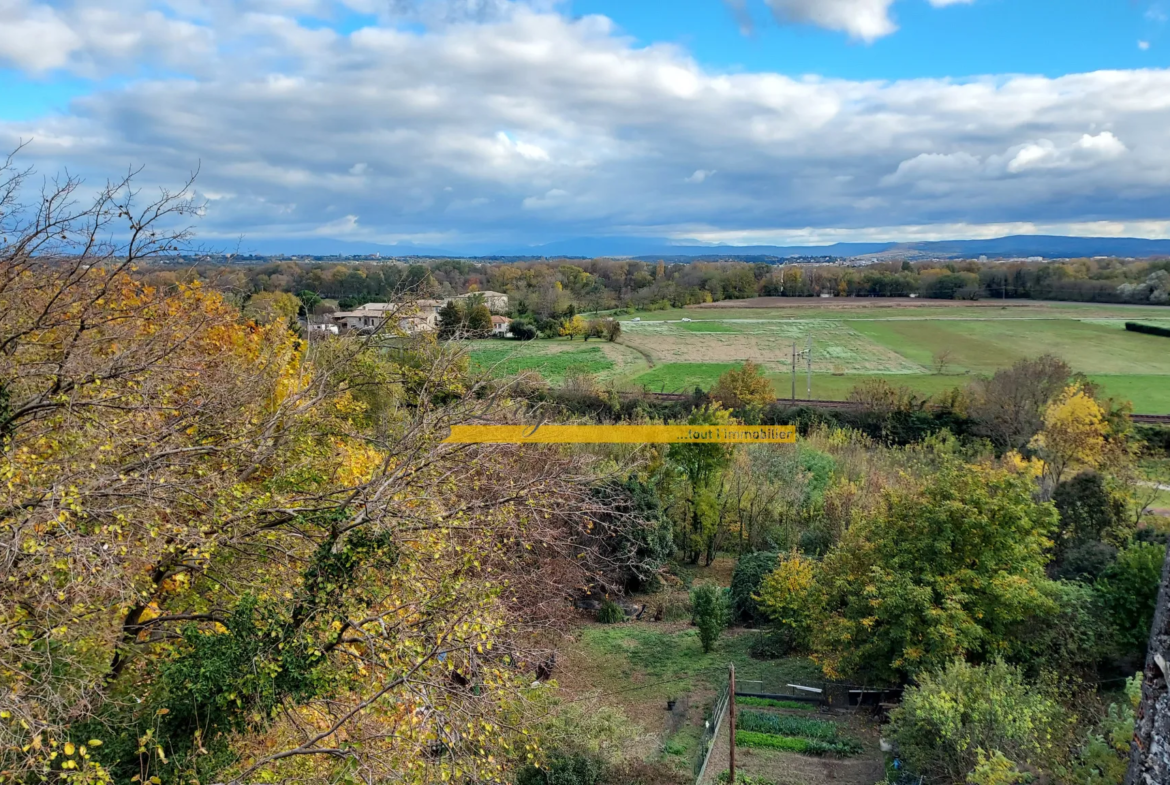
[556,358]
[928,347]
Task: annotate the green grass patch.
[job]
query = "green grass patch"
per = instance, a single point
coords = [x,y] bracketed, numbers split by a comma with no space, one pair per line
[1149,394]
[772,703]
[549,359]
[682,377]
[637,650]
[785,725]
[768,741]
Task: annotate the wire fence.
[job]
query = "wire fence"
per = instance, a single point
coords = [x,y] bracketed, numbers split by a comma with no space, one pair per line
[710,731]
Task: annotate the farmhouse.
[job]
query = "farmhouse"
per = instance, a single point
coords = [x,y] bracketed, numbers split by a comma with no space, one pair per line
[497,302]
[416,317]
[420,316]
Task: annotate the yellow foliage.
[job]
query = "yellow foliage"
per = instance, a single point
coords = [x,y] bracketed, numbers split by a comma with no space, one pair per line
[785,594]
[1075,433]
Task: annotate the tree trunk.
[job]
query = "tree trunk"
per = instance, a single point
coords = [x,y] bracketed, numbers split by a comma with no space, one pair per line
[1149,756]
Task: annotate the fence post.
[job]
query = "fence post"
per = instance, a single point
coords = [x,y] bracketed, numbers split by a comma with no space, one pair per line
[731,718]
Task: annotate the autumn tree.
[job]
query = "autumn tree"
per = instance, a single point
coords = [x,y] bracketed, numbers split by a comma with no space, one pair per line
[742,387]
[226,559]
[1009,407]
[1075,434]
[573,326]
[939,572]
[268,307]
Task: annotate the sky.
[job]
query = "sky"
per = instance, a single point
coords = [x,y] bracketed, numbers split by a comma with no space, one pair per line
[497,125]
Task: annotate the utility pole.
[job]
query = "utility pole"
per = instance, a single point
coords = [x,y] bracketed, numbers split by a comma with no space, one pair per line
[808,362]
[807,353]
[731,726]
[794,371]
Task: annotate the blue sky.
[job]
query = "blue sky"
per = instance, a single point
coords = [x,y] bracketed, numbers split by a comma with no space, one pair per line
[477,125]
[1050,37]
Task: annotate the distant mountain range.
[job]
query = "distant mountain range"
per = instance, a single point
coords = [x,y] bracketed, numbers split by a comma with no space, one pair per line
[1046,246]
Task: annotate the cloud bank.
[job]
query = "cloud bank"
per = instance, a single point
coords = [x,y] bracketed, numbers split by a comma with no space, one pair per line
[508,123]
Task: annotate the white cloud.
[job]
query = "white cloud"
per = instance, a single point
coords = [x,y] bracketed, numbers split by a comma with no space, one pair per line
[534,126]
[867,20]
[1044,154]
[1144,45]
[88,36]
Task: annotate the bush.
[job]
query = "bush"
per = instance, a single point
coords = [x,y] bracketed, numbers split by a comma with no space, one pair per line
[1085,562]
[636,772]
[749,573]
[1129,591]
[954,712]
[1071,638]
[575,769]
[774,644]
[522,330]
[815,543]
[709,606]
[767,741]
[610,613]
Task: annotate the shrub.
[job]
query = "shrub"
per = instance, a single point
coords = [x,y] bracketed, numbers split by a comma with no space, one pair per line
[786,596]
[522,330]
[709,606]
[1129,591]
[806,746]
[743,387]
[1069,638]
[610,613]
[636,772]
[954,712]
[749,573]
[1086,562]
[773,644]
[575,769]
[814,543]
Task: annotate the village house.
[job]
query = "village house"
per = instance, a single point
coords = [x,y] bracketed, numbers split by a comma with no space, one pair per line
[501,326]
